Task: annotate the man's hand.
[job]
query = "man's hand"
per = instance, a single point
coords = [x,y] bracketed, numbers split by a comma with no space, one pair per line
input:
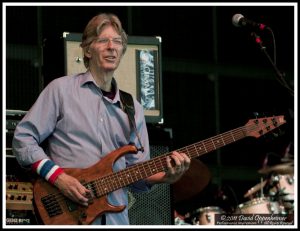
[72,188]
[178,164]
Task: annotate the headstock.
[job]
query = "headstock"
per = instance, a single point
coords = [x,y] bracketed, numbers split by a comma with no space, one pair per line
[260,126]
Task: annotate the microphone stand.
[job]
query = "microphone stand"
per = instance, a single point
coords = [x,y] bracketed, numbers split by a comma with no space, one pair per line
[280,74]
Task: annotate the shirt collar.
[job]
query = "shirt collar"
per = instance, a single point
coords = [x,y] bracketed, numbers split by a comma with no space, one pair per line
[87,77]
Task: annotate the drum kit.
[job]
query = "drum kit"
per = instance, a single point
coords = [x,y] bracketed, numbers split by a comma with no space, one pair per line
[274,194]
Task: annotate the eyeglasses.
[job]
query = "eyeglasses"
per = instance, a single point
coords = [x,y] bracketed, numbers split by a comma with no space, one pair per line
[105,41]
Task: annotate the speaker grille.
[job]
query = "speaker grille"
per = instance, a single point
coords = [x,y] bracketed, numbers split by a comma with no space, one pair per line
[153,207]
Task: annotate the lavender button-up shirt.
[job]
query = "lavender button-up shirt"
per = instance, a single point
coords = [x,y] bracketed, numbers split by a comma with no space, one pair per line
[81,127]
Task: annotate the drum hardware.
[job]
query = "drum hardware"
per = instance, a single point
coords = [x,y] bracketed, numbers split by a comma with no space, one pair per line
[286,168]
[260,205]
[181,219]
[206,215]
[289,206]
[290,180]
[274,208]
[274,194]
[282,187]
[256,188]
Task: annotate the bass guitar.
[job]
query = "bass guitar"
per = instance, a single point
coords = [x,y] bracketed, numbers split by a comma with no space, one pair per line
[56,209]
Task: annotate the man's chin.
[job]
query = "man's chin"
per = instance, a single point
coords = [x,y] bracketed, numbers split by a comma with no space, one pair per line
[111,67]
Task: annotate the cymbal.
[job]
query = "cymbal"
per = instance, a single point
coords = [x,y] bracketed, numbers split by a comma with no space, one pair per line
[287,168]
[255,189]
[192,182]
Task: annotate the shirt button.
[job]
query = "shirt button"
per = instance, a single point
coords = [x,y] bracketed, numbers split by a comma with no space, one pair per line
[101,119]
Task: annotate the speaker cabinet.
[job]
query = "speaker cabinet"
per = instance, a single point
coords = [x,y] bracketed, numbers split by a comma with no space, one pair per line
[153,207]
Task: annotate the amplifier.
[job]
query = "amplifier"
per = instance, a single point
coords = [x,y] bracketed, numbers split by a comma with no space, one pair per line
[13,117]
[139,72]
[19,196]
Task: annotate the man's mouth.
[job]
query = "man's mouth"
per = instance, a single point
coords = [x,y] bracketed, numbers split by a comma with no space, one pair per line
[110,58]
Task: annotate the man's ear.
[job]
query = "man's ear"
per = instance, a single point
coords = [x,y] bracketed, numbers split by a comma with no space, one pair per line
[87,52]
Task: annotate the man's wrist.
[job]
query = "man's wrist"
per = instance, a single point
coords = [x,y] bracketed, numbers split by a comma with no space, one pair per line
[47,169]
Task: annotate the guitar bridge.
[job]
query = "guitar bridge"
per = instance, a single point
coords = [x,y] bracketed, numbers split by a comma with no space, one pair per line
[51,205]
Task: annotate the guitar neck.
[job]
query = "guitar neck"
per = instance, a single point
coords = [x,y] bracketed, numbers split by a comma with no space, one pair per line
[211,144]
[144,170]
[254,128]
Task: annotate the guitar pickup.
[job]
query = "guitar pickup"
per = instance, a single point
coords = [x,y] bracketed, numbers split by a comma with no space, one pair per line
[51,205]
[72,206]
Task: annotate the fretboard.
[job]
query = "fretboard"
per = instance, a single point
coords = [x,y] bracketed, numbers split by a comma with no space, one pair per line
[158,164]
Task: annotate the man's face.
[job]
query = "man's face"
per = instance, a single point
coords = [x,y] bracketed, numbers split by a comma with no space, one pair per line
[106,50]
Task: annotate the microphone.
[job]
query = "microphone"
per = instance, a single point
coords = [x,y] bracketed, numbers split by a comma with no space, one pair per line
[239,20]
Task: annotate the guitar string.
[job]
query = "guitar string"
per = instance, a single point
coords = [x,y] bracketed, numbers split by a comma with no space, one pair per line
[187,148]
[151,166]
[191,150]
[192,153]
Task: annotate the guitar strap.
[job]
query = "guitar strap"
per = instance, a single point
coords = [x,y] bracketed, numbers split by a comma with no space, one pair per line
[128,104]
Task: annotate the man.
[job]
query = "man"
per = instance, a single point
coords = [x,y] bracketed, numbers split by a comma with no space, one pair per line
[82,119]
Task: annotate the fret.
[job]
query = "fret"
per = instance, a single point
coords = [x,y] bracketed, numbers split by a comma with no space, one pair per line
[99,186]
[141,170]
[148,168]
[162,161]
[222,140]
[204,146]
[144,170]
[218,142]
[153,167]
[186,150]
[104,190]
[137,172]
[195,147]
[199,148]
[129,177]
[243,132]
[113,180]
[213,143]
[120,178]
[232,136]
[112,183]
[123,178]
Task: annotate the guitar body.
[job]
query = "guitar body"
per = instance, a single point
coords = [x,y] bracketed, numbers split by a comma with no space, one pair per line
[62,211]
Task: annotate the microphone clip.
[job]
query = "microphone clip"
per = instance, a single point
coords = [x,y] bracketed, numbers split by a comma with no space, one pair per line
[258,40]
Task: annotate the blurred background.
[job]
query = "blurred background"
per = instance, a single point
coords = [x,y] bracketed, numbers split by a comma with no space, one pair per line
[215,78]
